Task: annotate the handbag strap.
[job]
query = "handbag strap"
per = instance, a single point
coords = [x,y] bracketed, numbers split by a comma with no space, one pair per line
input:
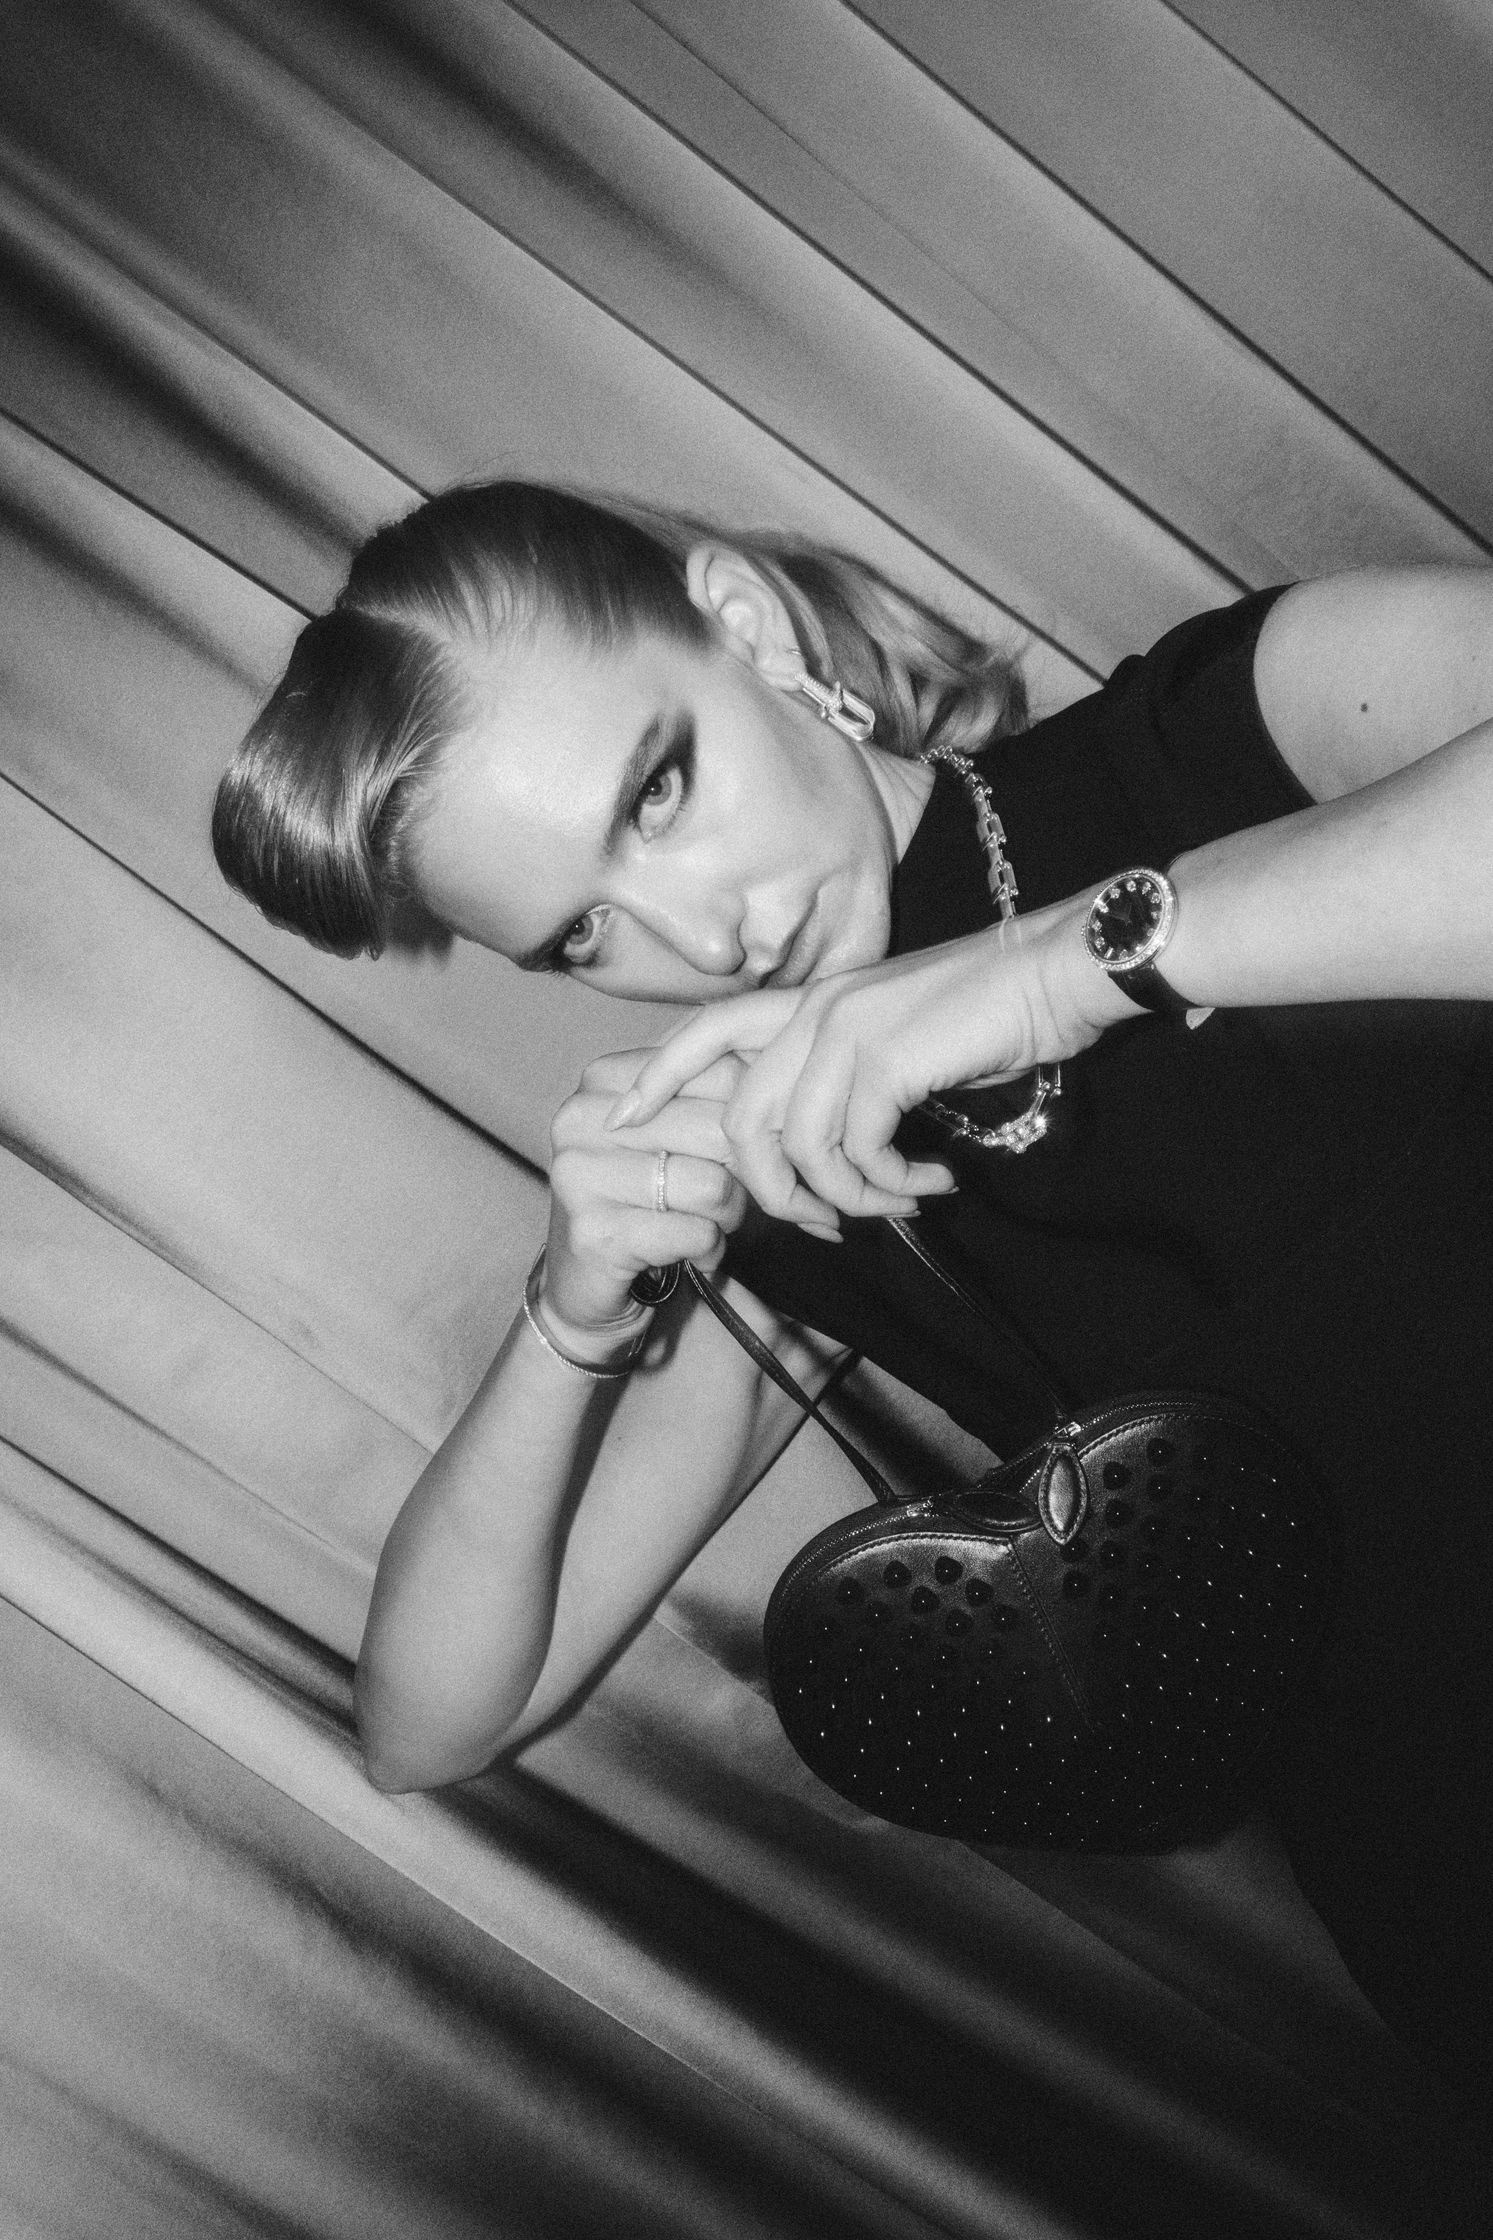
[993,1317]
[768,1362]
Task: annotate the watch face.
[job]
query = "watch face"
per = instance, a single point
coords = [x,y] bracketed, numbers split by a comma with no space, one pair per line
[1130,920]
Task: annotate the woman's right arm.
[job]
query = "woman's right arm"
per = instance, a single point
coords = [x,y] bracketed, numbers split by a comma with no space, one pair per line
[560,1509]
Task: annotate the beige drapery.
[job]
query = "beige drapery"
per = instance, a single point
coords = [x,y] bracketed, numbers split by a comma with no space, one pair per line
[1082,317]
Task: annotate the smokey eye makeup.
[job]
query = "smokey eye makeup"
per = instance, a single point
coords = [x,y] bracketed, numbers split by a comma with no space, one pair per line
[667,786]
[651,806]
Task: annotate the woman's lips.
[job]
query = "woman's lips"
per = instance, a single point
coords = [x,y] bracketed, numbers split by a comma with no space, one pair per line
[792,966]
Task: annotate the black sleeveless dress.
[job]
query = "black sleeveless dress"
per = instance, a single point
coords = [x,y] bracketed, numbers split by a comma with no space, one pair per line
[1291,1204]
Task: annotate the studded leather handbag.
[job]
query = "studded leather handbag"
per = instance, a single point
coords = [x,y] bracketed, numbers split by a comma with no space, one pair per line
[1091,1647]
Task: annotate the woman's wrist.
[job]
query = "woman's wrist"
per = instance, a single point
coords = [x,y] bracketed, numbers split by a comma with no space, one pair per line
[1074,1000]
[604,1348]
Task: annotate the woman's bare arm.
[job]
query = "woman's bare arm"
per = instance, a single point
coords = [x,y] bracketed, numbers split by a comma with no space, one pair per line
[1383,891]
[1377,688]
[560,1509]
[1359,674]
[550,1522]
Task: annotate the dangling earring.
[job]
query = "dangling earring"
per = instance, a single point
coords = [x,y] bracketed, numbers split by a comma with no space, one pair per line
[847,711]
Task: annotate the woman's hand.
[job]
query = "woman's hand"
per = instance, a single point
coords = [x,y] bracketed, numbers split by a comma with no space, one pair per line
[836,1064]
[605,1225]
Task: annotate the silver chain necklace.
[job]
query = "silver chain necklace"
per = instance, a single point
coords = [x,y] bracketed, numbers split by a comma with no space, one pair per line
[1030,1126]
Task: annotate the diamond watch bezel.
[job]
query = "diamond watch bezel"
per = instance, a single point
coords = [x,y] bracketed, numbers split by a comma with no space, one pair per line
[1130,960]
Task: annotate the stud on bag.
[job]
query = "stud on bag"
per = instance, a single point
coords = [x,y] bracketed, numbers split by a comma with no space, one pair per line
[1090,1648]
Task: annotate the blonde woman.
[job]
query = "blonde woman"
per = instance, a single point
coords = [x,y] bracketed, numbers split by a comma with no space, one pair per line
[743,775]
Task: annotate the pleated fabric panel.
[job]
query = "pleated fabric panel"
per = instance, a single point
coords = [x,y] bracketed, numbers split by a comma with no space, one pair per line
[649,1984]
[1078,318]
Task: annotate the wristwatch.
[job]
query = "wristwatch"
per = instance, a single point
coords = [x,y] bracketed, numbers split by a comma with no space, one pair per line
[1130,922]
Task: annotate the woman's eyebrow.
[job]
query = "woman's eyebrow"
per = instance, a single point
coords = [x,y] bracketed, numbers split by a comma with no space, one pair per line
[544,956]
[634,771]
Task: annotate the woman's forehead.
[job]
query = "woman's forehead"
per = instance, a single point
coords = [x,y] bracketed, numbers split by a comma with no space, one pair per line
[554,701]
[520,802]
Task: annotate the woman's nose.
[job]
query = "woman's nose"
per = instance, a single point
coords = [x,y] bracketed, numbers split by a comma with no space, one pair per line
[711,945]
[705,930]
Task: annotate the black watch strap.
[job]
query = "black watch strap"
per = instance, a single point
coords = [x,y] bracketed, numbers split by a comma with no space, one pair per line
[1127,930]
[1144,984]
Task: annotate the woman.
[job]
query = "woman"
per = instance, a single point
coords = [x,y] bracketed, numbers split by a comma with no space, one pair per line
[613,745]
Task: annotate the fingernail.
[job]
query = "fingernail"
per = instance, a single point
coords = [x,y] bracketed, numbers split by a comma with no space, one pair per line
[624,1109]
[820,1229]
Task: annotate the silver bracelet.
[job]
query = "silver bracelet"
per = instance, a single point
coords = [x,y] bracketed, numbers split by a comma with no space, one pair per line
[581,1368]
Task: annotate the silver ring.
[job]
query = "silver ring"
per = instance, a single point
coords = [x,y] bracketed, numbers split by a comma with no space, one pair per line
[661,1183]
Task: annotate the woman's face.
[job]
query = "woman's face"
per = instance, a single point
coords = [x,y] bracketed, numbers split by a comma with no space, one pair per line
[663,821]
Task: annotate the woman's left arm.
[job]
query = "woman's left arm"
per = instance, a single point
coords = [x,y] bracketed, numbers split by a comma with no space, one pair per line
[1378,691]
[1377,688]
[1386,891]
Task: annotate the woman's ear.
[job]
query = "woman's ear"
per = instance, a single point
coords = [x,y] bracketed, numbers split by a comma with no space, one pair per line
[750,617]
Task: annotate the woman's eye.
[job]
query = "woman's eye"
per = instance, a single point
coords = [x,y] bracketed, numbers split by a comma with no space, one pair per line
[656,804]
[660,796]
[580,941]
[666,789]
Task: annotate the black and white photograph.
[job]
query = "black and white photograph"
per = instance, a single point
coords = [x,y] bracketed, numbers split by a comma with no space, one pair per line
[746,1119]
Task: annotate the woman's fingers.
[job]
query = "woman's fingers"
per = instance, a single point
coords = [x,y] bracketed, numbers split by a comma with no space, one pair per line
[616,1211]
[723,1032]
[634,1197]
[834,1118]
[758,1159]
[870,1122]
[782,1184]
[614,1072]
[686,1185]
[782,1145]
[717,1083]
[835,1178]
[813,1111]
[796,1173]
[688,1125]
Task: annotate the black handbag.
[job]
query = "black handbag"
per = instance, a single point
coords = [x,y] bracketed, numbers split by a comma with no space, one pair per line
[1089,1648]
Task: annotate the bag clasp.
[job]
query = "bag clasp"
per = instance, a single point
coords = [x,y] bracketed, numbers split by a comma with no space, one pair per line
[1062,1488]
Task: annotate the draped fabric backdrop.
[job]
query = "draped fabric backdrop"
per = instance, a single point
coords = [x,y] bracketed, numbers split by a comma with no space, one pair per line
[1081,315]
